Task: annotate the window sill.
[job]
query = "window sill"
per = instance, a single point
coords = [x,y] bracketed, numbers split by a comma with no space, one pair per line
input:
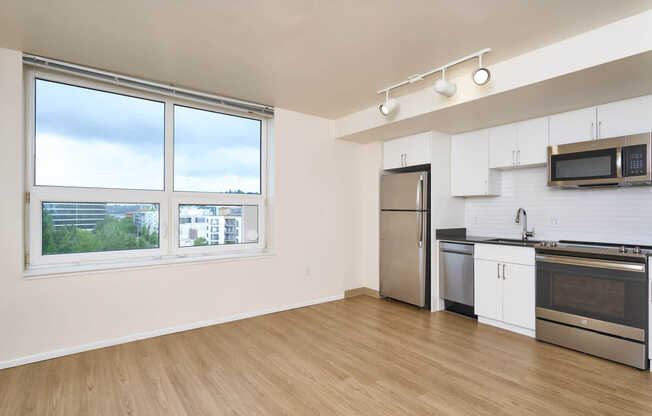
[45,271]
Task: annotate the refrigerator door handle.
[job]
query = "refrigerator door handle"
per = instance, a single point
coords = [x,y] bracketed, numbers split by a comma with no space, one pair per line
[420,225]
[420,193]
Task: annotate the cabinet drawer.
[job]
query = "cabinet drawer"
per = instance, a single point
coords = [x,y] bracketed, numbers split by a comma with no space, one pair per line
[505,254]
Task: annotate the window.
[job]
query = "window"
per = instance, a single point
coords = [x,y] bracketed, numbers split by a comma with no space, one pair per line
[90,138]
[216,152]
[82,227]
[233,224]
[110,170]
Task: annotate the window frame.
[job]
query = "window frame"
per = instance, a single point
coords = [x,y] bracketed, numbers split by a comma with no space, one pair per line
[167,199]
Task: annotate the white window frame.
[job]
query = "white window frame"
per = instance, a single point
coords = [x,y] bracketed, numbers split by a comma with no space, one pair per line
[167,199]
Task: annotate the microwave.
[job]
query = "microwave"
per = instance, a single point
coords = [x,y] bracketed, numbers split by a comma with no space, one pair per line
[618,161]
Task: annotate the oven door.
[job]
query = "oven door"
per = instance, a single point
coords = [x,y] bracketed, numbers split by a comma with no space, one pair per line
[582,168]
[600,295]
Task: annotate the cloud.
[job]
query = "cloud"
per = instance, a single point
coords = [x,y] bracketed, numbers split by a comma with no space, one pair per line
[62,161]
[95,115]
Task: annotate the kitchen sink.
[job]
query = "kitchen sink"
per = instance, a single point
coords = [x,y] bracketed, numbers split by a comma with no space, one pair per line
[514,241]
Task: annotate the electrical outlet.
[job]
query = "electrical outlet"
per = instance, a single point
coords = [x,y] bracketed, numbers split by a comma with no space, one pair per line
[308,273]
[554,221]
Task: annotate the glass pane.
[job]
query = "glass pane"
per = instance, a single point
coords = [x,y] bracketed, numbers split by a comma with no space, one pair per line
[589,167]
[216,152]
[590,295]
[83,227]
[210,225]
[91,138]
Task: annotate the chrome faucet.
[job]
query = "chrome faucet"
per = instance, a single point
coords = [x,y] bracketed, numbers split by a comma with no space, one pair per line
[525,234]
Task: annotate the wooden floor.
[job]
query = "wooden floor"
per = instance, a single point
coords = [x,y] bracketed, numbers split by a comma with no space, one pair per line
[357,356]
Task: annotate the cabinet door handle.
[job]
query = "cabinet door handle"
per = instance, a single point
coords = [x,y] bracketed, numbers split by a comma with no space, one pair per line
[518,157]
[498,271]
[503,271]
[592,131]
[405,159]
[599,129]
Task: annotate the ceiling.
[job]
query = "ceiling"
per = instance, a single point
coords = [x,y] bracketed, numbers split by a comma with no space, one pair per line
[613,81]
[319,57]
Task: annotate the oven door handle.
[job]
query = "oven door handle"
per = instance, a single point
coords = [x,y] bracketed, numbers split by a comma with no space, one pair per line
[602,264]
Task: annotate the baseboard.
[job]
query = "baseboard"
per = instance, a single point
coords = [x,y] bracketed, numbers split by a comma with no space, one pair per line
[523,331]
[362,291]
[156,333]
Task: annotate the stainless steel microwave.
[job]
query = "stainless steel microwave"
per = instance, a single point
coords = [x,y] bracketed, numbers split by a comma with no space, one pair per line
[619,161]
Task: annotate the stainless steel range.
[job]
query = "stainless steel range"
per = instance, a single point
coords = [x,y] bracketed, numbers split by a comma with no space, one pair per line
[593,297]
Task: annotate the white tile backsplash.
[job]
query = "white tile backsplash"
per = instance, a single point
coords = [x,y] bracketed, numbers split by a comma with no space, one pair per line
[618,215]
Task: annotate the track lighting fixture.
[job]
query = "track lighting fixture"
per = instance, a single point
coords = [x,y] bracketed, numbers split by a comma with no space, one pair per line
[445,87]
[481,75]
[389,106]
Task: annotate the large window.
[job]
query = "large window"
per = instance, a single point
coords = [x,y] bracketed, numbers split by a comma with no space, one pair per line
[115,173]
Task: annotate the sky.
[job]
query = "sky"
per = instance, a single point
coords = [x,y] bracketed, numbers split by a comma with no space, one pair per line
[90,138]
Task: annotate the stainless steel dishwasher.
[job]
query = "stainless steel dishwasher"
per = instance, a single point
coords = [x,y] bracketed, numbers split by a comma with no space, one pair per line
[456,272]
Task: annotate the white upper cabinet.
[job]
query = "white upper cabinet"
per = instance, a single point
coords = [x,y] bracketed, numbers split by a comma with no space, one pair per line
[407,151]
[625,117]
[519,144]
[470,173]
[573,126]
[532,142]
[503,145]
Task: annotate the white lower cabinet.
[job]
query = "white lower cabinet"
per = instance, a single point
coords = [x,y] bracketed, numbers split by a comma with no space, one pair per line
[518,295]
[504,285]
[488,289]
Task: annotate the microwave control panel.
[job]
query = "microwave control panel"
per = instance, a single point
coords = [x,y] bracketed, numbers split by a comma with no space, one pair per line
[634,160]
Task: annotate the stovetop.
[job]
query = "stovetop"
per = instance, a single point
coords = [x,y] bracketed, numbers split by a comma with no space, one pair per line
[627,251]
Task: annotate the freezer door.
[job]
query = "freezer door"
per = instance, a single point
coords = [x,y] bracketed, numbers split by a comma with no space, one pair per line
[403,256]
[404,191]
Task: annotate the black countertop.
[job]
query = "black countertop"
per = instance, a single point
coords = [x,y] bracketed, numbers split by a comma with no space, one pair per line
[458,235]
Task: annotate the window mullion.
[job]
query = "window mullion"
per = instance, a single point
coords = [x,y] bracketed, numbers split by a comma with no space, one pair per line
[170,225]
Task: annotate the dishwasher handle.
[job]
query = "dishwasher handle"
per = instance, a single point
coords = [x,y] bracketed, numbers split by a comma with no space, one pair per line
[457,252]
[456,248]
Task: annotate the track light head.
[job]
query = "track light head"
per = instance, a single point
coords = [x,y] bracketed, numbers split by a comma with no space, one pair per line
[445,87]
[481,76]
[388,107]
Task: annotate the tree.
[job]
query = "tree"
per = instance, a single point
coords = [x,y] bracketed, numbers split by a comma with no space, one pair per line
[47,242]
[110,234]
[201,241]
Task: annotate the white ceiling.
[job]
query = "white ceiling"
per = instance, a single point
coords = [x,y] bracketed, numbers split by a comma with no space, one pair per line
[320,57]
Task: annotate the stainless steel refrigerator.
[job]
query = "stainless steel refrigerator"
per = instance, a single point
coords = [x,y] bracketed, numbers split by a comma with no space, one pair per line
[405,237]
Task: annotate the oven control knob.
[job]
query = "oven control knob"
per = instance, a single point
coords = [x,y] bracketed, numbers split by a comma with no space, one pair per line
[553,244]
[636,250]
[623,249]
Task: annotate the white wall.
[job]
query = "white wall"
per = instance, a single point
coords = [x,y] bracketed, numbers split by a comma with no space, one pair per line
[316,212]
[618,215]
[370,171]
